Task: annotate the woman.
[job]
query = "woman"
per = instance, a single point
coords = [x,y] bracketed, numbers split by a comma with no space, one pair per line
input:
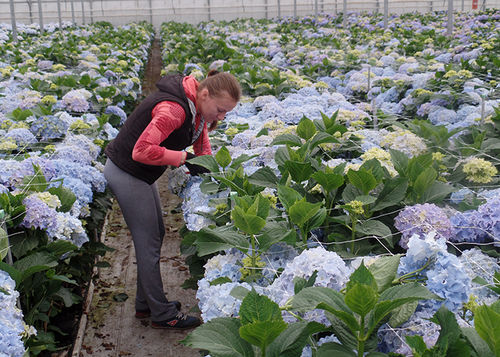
[154,136]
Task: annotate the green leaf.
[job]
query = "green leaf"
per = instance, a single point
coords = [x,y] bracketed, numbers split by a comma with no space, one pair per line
[328,181]
[4,243]
[292,341]
[306,128]
[212,240]
[262,333]
[288,196]
[65,195]
[207,161]
[401,314]
[413,290]
[373,227]
[275,232]
[66,296]
[362,276]
[362,179]
[300,283]
[392,194]
[264,177]
[236,163]
[437,192]
[361,298]
[424,181]
[21,244]
[479,345]
[302,211]
[223,157]
[248,223]
[384,271]
[287,139]
[321,138]
[300,171]
[220,280]
[330,349]
[220,337]
[417,165]
[259,308]
[487,324]
[417,344]
[400,161]
[239,292]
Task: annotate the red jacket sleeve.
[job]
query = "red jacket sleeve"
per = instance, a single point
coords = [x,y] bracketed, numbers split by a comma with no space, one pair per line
[167,117]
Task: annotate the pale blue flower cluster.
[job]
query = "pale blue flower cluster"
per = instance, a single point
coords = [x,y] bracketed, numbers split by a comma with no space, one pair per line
[445,275]
[22,137]
[481,225]
[477,264]
[12,326]
[48,127]
[421,219]
[307,351]
[115,110]
[332,273]
[76,101]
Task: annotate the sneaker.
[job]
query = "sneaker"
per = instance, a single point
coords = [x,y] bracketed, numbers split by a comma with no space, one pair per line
[143,314]
[179,322]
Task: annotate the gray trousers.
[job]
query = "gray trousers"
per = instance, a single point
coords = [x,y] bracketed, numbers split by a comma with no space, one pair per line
[141,208]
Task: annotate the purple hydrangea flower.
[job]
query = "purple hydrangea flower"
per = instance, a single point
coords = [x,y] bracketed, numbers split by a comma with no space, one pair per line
[421,219]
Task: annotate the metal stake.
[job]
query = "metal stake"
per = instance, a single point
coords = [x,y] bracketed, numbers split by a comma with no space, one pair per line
[13,21]
[40,15]
[450,17]
[386,14]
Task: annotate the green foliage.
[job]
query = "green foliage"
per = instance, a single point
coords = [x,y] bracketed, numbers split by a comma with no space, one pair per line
[453,340]
[357,313]
[260,331]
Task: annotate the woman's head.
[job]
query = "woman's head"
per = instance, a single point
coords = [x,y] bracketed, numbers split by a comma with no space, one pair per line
[217,94]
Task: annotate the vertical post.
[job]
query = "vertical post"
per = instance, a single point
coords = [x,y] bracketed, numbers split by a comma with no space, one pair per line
[40,15]
[209,11]
[316,8]
[450,17]
[374,113]
[344,20]
[83,13]
[336,7]
[431,6]
[482,110]
[13,21]
[265,6]
[59,13]
[386,14]
[279,9]
[484,5]
[73,12]
[463,5]
[369,78]
[377,7]
[151,12]
[91,10]
[294,8]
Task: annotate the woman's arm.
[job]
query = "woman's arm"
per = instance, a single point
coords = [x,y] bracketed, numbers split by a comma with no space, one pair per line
[167,117]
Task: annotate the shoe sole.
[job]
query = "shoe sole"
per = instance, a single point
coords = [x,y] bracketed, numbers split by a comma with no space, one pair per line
[145,315]
[158,327]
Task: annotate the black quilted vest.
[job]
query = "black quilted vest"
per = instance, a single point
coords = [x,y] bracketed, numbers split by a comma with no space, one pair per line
[119,150]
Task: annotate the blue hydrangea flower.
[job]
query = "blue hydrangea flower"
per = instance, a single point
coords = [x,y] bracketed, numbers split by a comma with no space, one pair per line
[445,275]
[22,137]
[49,127]
[115,110]
[38,214]
[12,326]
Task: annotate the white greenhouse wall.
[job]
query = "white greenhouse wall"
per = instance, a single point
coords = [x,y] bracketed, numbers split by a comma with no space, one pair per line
[120,12]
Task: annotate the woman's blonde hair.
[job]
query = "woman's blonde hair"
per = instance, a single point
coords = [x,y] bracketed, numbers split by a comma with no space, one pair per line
[219,82]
